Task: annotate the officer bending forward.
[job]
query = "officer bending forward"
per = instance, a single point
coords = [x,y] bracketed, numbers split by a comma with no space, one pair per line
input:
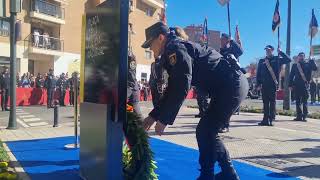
[203,67]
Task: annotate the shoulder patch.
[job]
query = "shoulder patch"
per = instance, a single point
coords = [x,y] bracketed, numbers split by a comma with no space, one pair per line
[173,59]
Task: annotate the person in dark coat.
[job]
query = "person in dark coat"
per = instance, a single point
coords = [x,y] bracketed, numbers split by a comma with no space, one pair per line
[268,81]
[189,64]
[299,79]
[5,89]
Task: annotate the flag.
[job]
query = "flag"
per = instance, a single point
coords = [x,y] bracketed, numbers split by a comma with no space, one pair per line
[313,27]
[204,37]
[237,36]
[276,17]
[223,2]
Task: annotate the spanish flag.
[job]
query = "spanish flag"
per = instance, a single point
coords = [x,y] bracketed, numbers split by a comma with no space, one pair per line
[276,17]
[313,27]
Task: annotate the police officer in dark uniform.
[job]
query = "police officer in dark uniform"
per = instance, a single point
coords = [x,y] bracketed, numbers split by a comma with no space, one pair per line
[267,80]
[133,92]
[71,84]
[157,81]
[50,83]
[5,89]
[229,48]
[299,79]
[62,88]
[186,64]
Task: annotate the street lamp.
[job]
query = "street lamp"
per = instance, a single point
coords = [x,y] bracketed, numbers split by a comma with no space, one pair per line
[15,7]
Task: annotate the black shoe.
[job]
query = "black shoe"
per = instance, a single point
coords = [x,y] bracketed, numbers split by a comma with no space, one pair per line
[263,123]
[297,119]
[304,119]
[7,109]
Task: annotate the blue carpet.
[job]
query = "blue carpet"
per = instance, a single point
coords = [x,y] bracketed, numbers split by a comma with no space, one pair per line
[47,159]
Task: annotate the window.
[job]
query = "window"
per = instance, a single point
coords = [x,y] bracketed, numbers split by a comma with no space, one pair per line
[131,5]
[130,27]
[148,54]
[149,12]
[144,77]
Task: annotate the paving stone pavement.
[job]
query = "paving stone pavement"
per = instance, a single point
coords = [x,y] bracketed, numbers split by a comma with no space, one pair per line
[289,147]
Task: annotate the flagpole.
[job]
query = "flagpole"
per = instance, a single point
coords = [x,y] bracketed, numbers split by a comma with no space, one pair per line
[287,96]
[228,7]
[279,36]
[310,45]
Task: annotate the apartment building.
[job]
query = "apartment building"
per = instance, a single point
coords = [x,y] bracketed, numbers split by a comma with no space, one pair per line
[49,35]
[195,33]
[143,13]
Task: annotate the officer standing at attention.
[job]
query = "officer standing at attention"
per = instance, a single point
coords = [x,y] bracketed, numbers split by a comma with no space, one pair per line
[133,92]
[299,79]
[5,88]
[62,87]
[186,64]
[267,80]
[229,48]
[51,86]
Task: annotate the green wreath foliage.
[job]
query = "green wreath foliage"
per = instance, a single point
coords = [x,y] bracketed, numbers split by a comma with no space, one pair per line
[138,158]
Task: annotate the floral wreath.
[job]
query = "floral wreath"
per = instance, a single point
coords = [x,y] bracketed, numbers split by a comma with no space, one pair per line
[137,155]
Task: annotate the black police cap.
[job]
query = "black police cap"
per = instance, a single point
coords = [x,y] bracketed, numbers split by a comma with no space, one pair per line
[301,53]
[269,47]
[153,32]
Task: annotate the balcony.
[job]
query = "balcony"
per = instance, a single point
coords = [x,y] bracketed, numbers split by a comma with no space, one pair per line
[4,27]
[47,11]
[158,4]
[43,44]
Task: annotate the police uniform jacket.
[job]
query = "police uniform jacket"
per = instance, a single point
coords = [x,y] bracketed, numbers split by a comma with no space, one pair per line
[234,49]
[186,63]
[62,84]
[156,75]
[264,76]
[5,81]
[295,79]
[51,82]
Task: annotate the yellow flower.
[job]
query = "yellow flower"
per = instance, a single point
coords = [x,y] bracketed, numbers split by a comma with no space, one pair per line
[3,164]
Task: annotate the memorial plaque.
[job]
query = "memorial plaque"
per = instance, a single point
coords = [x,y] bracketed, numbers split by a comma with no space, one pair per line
[104,90]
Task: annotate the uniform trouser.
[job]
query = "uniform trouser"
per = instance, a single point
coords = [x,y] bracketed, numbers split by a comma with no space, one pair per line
[269,104]
[302,98]
[71,97]
[202,99]
[223,104]
[4,99]
[133,100]
[62,96]
[313,96]
[50,93]
[155,96]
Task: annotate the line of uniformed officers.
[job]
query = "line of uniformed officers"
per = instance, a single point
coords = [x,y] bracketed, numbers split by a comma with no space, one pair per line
[268,71]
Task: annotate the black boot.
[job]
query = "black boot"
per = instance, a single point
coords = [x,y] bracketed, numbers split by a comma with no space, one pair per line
[271,122]
[264,122]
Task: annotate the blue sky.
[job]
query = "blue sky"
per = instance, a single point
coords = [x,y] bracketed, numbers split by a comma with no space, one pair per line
[254,18]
